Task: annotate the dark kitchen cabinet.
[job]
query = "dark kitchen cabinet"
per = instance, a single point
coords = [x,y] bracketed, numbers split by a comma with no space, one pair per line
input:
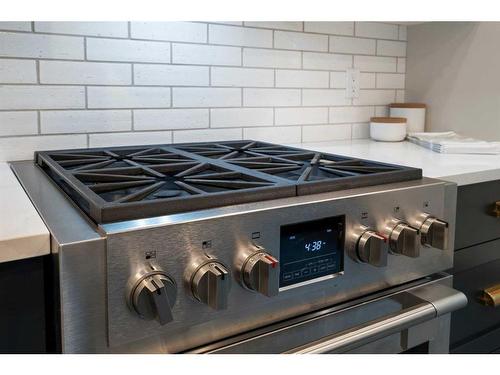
[476,328]
[23,306]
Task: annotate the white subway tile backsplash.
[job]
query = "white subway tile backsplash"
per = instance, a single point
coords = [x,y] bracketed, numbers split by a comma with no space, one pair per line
[375,97]
[338,80]
[367,80]
[301,78]
[266,58]
[207,135]
[401,65]
[279,25]
[377,30]
[240,36]
[301,116]
[382,111]
[171,31]
[390,48]
[239,117]
[41,46]
[283,134]
[41,97]
[271,97]
[113,29]
[240,77]
[360,131]
[338,28]
[130,139]
[390,81]
[169,119]
[324,97]
[205,55]
[85,73]
[326,61]
[17,71]
[320,133]
[128,97]
[93,84]
[85,121]
[361,46]
[18,123]
[340,115]
[375,63]
[128,50]
[400,96]
[206,97]
[23,148]
[15,25]
[170,75]
[300,41]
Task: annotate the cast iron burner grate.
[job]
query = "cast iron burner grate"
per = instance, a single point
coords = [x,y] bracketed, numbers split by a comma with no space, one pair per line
[123,183]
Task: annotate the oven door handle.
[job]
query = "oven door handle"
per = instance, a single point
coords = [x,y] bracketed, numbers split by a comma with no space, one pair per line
[370,331]
[439,300]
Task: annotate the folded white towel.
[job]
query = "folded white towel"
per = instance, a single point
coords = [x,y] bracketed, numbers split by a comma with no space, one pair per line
[453,143]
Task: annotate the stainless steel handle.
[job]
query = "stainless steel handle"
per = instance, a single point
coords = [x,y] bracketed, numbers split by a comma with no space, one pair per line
[372,330]
[439,300]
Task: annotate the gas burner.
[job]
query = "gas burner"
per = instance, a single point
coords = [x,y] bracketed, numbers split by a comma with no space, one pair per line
[124,183]
[140,182]
[84,160]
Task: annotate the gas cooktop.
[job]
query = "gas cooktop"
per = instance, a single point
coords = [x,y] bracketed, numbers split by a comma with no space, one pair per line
[124,183]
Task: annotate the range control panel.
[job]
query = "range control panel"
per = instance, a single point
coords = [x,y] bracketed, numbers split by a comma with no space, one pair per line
[272,262]
[311,250]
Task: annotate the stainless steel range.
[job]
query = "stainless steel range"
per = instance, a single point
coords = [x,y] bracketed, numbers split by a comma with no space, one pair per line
[244,247]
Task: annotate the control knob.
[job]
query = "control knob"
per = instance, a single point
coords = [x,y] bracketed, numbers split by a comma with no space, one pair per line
[261,273]
[151,293]
[434,233]
[404,240]
[370,248]
[210,282]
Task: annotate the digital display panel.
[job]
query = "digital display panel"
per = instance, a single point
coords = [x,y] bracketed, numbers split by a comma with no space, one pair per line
[311,250]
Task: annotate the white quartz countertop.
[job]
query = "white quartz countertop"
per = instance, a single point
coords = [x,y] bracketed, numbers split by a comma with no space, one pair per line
[22,231]
[464,169]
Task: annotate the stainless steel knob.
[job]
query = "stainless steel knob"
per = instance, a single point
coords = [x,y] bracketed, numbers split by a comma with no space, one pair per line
[210,284]
[151,293]
[370,249]
[261,273]
[404,240]
[434,233]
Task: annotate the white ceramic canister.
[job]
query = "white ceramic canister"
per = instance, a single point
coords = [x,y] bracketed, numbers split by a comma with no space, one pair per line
[414,114]
[388,129]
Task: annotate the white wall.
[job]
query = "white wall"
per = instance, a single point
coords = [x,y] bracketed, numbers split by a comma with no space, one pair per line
[454,67]
[91,84]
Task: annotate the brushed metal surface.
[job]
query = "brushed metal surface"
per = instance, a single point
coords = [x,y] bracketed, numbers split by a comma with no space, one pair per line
[413,321]
[80,260]
[177,241]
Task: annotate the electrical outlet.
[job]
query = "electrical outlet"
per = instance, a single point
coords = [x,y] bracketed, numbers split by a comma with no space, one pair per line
[352,83]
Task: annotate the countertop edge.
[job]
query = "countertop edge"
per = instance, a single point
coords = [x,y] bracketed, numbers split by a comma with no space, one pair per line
[16,242]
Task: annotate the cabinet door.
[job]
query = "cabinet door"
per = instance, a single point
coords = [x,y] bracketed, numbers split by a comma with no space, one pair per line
[22,306]
[476,320]
[476,222]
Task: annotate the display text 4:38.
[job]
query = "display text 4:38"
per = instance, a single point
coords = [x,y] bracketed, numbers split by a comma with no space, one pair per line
[314,246]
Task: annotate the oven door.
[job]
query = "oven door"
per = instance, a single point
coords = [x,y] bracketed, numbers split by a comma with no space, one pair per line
[412,318]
